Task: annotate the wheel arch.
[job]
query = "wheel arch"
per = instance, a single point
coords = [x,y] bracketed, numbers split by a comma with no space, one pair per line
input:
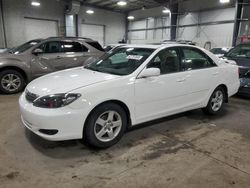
[21,71]
[226,91]
[118,102]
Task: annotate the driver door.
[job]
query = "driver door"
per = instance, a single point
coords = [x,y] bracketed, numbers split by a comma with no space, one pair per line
[166,94]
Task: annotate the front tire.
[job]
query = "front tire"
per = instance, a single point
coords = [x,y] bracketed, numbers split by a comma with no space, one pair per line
[11,81]
[216,102]
[105,126]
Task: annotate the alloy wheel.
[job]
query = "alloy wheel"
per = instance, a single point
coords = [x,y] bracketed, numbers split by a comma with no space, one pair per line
[108,126]
[11,82]
[217,100]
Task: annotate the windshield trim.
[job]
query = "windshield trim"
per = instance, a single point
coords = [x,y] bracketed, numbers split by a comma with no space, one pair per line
[18,49]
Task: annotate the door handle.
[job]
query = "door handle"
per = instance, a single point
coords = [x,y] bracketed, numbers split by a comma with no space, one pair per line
[181,80]
[58,57]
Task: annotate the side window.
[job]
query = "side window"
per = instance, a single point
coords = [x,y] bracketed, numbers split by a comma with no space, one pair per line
[73,47]
[240,51]
[195,59]
[52,47]
[167,61]
[96,45]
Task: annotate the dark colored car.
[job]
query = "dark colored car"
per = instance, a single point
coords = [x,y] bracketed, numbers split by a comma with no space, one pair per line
[241,55]
[220,51]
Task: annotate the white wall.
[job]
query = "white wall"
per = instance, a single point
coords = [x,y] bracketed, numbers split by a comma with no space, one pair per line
[218,34]
[16,10]
[148,30]
[115,23]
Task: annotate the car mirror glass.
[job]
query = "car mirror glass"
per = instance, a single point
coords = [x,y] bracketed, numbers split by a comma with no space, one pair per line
[37,51]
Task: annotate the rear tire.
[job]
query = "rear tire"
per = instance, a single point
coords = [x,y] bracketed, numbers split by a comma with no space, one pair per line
[216,102]
[105,126]
[11,81]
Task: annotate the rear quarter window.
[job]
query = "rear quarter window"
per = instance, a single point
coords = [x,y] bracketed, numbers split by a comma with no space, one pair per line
[195,59]
[96,45]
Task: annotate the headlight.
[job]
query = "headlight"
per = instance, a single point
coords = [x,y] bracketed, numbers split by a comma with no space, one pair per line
[56,101]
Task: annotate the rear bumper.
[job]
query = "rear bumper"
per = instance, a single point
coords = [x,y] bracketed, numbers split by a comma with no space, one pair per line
[244,91]
[244,86]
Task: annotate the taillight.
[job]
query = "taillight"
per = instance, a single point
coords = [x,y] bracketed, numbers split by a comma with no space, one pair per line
[239,71]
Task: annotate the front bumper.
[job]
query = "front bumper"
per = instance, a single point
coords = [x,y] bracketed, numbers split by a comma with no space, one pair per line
[67,122]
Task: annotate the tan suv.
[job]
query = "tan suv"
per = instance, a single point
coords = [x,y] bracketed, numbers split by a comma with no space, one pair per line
[35,58]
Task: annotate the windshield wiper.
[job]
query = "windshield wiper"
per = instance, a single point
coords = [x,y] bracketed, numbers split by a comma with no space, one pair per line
[91,68]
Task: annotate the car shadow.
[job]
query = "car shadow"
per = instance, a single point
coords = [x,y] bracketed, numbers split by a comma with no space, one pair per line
[135,135]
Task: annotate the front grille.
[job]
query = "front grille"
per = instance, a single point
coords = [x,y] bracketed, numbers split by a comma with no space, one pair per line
[31,97]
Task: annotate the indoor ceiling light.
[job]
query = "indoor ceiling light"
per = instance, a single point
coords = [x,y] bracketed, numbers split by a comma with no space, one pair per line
[131,17]
[224,1]
[122,3]
[166,11]
[35,3]
[90,12]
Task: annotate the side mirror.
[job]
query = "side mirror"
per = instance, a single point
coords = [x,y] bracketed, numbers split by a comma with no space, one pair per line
[150,72]
[37,51]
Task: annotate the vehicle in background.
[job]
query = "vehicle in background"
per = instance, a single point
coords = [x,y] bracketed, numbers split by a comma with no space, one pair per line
[241,55]
[220,51]
[130,85]
[36,58]
[112,46]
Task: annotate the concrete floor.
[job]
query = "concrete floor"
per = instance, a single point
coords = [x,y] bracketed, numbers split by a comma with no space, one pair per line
[187,150]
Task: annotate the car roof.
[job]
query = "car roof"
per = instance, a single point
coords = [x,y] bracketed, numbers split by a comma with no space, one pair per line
[155,46]
[120,44]
[72,38]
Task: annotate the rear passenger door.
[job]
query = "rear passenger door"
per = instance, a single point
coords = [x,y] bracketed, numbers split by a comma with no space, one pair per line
[201,74]
[74,54]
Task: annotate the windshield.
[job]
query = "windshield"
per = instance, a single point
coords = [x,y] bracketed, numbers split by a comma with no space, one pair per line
[242,50]
[121,61]
[219,50]
[25,46]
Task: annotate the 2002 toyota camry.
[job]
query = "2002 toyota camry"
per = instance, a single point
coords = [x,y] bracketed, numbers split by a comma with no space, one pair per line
[128,86]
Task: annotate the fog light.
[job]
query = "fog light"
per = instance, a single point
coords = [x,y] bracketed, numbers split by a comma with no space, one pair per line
[48,132]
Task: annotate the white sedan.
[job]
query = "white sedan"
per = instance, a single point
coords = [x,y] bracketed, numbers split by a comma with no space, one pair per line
[128,86]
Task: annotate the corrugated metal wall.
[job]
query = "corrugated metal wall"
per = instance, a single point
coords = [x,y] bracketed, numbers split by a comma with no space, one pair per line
[149,30]
[214,26]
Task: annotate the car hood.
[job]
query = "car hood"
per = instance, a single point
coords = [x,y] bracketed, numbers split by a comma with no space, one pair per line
[67,81]
[8,56]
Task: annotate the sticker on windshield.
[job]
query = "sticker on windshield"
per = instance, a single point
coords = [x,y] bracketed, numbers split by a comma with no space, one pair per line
[135,57]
